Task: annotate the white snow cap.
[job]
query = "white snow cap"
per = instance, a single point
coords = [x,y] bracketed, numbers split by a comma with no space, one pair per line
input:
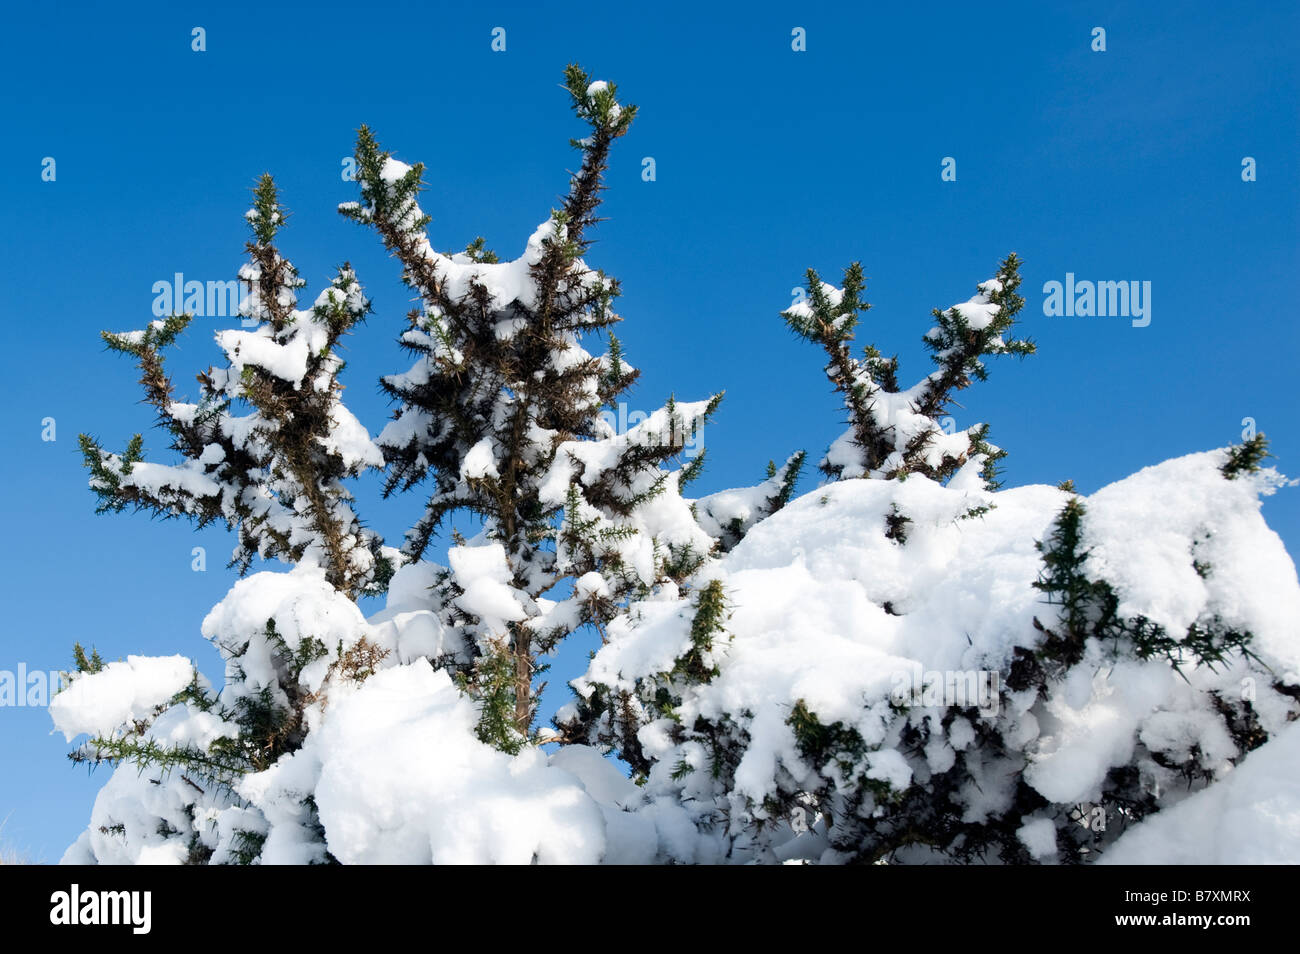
[1251,817]
[98,703]
[484,575]
[826,609]
[401,778]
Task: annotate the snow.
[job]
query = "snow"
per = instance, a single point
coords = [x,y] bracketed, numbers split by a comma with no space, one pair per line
[480,462]
[1039,836]
[589,460]
[410,627]
[825,609]
[1140,533]
[303,606]
[1251,817]
[590,585]
[804,308]
[732,512]
[410,586]
[505,283]
[400,778]
[97,703]
[183,726]
[137,338]
[164,480]
[979,312]
[129,816]
[393,170]
[403,780]
[831,618]
[822,608]
[484,575]
[897,414]
[349,439]
[287,361]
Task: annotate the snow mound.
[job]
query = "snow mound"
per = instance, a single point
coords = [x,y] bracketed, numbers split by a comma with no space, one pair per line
[875,659]
[1251,817]
[400,778]
[97,703]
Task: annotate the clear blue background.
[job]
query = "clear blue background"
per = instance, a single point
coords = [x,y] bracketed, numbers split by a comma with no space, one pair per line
[1115,166]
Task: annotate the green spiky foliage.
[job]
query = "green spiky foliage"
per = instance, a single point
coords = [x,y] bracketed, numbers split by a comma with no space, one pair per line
[262,732]
[500,376]
[730,514]
[1246,458]
[86,664]
[866,820]
[255,729]
[611,717]
[786,477]
[501,373]
[1088,609]
[274,476]
[892,432]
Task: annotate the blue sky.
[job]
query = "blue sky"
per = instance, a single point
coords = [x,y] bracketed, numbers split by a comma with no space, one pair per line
[1116,165]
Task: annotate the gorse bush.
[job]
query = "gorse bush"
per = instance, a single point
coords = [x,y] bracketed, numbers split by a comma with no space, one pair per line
[906,664]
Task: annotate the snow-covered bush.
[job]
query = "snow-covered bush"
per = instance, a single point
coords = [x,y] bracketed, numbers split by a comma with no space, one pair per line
[905,664]
[910,665]
[839,694]
[502,416]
